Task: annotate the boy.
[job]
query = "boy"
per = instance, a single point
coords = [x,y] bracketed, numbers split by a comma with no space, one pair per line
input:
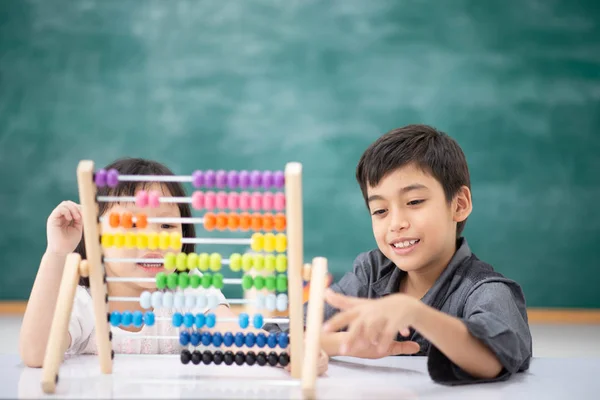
[423,291]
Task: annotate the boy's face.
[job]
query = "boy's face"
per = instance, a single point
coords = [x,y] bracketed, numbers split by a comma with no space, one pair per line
[413,224]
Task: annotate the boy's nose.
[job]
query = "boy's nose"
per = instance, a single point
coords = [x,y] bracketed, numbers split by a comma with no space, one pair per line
[398,222]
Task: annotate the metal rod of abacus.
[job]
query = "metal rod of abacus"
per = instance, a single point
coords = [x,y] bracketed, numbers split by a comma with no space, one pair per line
[146,260]
[156,178]
[162,199]
[226,281]
[166,220]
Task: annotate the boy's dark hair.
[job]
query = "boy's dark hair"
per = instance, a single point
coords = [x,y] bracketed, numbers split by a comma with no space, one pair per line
[431,150]
[139,166]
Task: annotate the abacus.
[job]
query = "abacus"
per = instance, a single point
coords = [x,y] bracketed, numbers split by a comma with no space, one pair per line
[273,234]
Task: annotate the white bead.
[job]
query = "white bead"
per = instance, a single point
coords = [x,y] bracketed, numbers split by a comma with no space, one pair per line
[282,302]
[270,303]
[146,299]
[213,301]
[260,301]
[190,300]
[168,300]
[201,301]
[179,300]
[157,299]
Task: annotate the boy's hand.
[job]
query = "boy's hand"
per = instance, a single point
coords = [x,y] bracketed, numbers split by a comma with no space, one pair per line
[373,323]
[322,363]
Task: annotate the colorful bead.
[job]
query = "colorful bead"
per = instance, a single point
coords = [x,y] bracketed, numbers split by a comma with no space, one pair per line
[210,200]
[201,301]
[281,283]
[100,178]
[114,220]
[206,280]
[178,300]
[261,340]
[180,262]
[247,261]
[217,339]
[161,280]
[206,338]
[235,262]
[260,301]
[218,281]
[270,283]
[247,282]
[218,357]
[255,179]
[119,240]
[279,201]
[195,281]
[228,339]
[175,241]
[149,318]
[284,359]
[203,259]
[188,320]
[239,339]
[153,199]
[213,301]
[267,179]
[164,240]
[197,179]
[244,179]
[233,201]
[145,299]
[168,300]
[130,240]
[232,179]
[221,179]
[261,358]
[258,262]
[243,320]
[112,178]
[257,242]
[268,222]
[222,200]
[195,338]
[245,221]
[245,201]
[221,221]
[279,179]
[215,262]
[142,241]
[190,301]
[192,261]
[211,320]
[186,356]
[177,320]
[184,280]
[250,339]
[127,220]
[153,240]
[126,318]
[196,357]
[207,357]
[280,243]
[141,221]
[257,321]
[270,302]
[270,262]
[233,222]
[157,299]
[200,320]
[282,302]
[141,199]
[281,263]
[259,282]
[250,358]
[210,221]
[228,357]
[209,178]
[108,240]
[256,201]
[137,318]
[115,318]
[172,280]
[197,200]
[184,338]
[280,222]
[269,239]
[272,340]
[273,358]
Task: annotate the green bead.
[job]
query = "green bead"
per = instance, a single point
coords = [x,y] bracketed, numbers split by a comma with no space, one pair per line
[235,262]
[270,283]
[161,280]
[259,262]
[218,281]
[184,280]
[281,283]
[170,261]
[206,280]
[192,261]
[247,262]
[215,262]
[247,282]
[181,262]
[259,282]
[281,263]
[270,262]
[172,280]
[195,281]
[203,261]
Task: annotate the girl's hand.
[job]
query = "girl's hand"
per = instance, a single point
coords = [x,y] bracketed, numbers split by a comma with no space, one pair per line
[64,228]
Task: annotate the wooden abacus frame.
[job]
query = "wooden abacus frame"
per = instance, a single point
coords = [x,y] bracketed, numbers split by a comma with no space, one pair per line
[303,361]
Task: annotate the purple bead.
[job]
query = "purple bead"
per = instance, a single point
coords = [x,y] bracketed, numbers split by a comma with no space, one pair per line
[267,179]
[244,179]
[279,179]
[232,179]
[197,179]
[221,179]
[112,178]
[100,178]
[209,178]
[255,179]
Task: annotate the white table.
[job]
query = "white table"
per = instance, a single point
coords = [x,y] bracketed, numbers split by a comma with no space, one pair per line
[347,378]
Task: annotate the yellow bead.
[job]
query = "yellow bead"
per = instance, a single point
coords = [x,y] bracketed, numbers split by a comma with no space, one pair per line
[269,242]
[130,240]
[270,263]
[235,262]
[181,262]
[108,240]
[192,261]
[164,240]
[247,262]
[203,261]
[119,240]
[153,241]
[176,241]
[170,260]
[215,262]
[259,262]
[142,241]
[280,243]
[257,242]
[281,263]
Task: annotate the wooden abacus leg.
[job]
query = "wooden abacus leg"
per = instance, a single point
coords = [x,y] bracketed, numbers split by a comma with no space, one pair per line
[59,331]
[314,323]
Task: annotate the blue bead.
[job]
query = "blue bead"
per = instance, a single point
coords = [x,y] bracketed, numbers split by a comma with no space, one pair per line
[244,320]
[258,321]
[177,320]
[137,318]
[211,320]
[217,339]
[195,339]
[184,338]
[228,339]
[200,320]
[239,339]
[261,340]
[206,338]
[188,320]
[250,339]
[126,318]
[115,318]
[283,340]
[149,318]
[272,340]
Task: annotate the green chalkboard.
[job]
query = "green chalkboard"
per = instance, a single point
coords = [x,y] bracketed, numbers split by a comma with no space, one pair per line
[255,84]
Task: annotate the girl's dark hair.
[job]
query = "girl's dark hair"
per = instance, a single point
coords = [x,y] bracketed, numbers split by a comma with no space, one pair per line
[139,166]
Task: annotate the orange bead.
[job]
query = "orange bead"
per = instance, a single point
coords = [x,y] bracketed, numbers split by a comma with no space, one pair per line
[210,221]
[280,222]
[221,221]
[126,220]
[233,221]
[256,222]
[268,222]
[244,221]
[114,220]
[141,221]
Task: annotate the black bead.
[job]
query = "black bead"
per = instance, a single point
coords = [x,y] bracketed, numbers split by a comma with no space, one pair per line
[250,358]
[196,357]
[261,358]
[112,354]
[186,356]
[284,359]
[240,358]
[273,359]
[108,317]
[207,357]
[109,335]
[228,357]
[218,357]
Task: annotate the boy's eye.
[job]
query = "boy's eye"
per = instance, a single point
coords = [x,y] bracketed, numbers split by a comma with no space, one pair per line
[378,212]
[167,226]
[415,202]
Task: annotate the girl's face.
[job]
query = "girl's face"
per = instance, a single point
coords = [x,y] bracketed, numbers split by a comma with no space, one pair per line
[136,269]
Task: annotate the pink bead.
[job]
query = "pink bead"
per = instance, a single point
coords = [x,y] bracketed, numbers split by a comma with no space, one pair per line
[210,200]
[267,204]
[244,201]
[233,201]
[279,201]
[256,201]
[153,199]
[222,200]
[198,200]
[141,199]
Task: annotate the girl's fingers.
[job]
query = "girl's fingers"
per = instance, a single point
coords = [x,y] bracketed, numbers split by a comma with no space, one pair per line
[373,330]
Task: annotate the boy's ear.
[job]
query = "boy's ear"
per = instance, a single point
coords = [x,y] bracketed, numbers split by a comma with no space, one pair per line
[462,205]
